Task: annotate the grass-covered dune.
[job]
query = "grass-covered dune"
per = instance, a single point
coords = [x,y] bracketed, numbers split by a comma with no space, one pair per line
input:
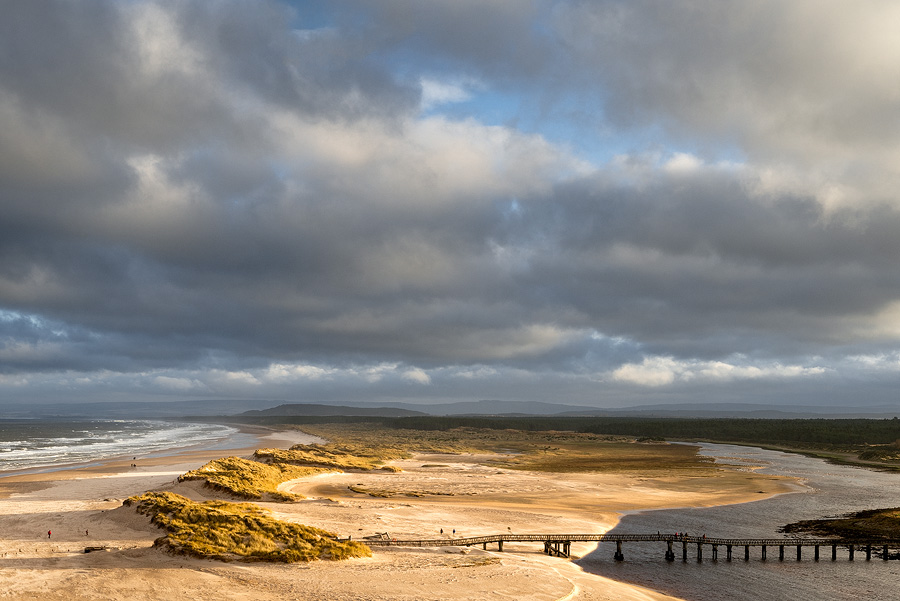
[259,477]
[358,457]
[869,524]
[250,479]
[546,451]
[227,531]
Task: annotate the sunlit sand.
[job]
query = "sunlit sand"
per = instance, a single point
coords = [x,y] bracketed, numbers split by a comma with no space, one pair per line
[84,508]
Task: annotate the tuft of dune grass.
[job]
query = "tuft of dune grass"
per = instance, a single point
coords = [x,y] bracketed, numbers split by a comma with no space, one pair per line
[226,531]
[250,479]
[343,457]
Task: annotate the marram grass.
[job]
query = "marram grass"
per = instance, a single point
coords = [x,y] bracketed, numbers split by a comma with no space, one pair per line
[546,451]
[332,456]
[258,478]
[867,524]
[226,531]
[250,479]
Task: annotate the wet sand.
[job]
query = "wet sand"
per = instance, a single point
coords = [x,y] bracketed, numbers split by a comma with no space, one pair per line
[83,507]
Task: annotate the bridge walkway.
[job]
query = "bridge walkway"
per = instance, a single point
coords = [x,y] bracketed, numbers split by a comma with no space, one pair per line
[560,544]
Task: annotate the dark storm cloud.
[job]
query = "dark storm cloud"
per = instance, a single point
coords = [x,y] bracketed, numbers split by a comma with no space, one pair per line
[691,260]
[239,198]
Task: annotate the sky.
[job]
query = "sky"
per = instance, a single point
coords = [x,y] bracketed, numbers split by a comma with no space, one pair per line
[600,203]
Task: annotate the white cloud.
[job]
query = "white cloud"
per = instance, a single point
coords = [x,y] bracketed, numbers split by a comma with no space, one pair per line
[284,372]
[662,371]
[682,163]
[476,373]
[435,92]
[417,375]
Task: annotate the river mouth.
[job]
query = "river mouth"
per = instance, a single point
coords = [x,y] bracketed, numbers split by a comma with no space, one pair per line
[827,490]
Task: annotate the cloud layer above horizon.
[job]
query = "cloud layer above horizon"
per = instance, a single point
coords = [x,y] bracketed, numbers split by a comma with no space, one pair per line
[600,203]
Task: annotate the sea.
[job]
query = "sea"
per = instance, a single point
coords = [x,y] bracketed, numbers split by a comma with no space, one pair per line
[35,445]
[827,490]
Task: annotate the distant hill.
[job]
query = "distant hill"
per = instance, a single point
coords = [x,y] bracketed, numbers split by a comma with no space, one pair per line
[235,407]
[484,407]
[313,409]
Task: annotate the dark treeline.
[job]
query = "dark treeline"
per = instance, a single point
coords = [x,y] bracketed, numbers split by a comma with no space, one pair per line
[813,432]
[771,431]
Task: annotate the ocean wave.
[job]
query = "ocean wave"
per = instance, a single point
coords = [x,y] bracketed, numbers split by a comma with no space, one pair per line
[52,443]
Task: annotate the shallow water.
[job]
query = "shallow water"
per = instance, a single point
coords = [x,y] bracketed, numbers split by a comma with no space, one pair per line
[830,490]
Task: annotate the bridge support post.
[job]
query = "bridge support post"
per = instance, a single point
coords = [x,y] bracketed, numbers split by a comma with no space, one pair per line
[763,552]
[851,552]
[484,546]
[728,552]
[833,552]
[619,556]
[746,552]
[547,547]
[884,553]
[817,553]
[699,551]
[567,548]
[780,552]
[798,552]
[684,550]
[500,545]
[868,551]
[670,554]
[715,552]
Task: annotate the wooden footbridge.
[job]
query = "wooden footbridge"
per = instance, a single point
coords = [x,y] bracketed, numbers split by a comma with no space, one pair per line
[560,544]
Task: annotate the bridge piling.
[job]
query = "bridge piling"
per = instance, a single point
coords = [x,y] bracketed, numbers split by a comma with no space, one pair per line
[684,550]
[727,552]
[884,553]
[500,545]
[798,552]
[780,552]
[746,552]
[816,555]
[699,551]
[833,552]
[619,556]
[851,552]
[869,552]
[715,552]
[670,554]
[763,552]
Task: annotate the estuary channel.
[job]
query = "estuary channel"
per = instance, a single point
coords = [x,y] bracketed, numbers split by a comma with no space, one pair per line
[830,490]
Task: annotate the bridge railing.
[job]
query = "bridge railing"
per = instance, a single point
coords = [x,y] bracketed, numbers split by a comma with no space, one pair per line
[703,540]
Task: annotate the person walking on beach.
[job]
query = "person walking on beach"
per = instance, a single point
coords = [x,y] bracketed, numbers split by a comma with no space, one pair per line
[48,533]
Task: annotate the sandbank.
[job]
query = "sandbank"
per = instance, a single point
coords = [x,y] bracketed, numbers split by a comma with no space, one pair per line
[83,507]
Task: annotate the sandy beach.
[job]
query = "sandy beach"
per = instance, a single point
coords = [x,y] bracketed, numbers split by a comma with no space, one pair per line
[83,507]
